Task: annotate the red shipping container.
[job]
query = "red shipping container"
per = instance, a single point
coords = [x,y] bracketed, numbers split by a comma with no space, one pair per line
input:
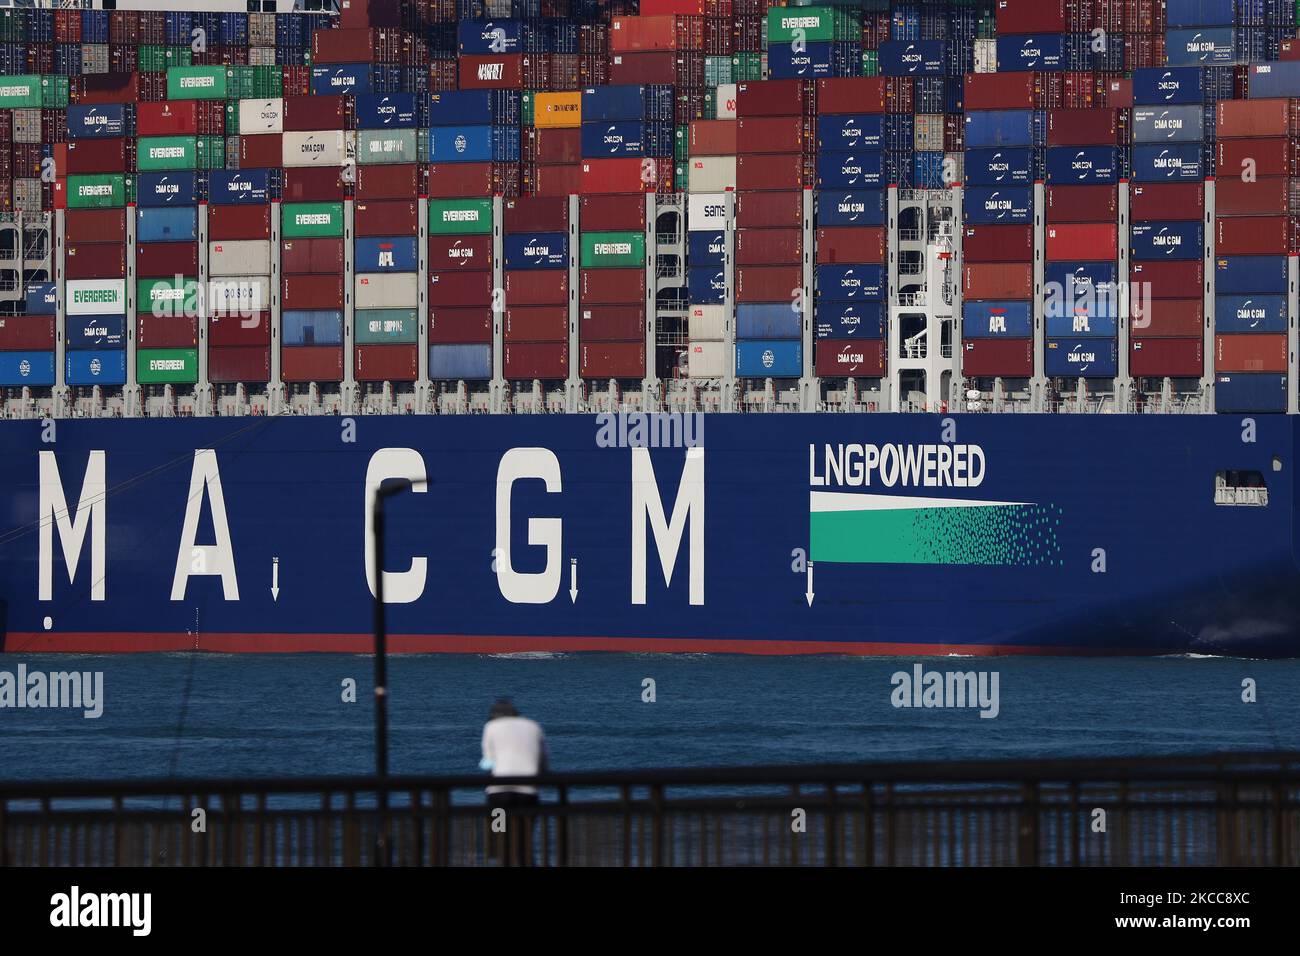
[772,98]
[1082,127]
[611,213]
[1175,358]
[26,332]
[612,323]
[302,256]
[558,145]
[768,247]
[109,88]
[98,260]
[1288,49]
[992,243]
[344,45]
[643,68]
[611,287]
[312,291]
[387,363]
[388,181]
[387,218]
[1098,203]
[303,114]
[311,363]
[537,287]
[1165,318]
[1234,118]
[1250,352]
[713,138]
[774,171]
[500,72]
[458,326]
[529,360]
[166,331]
[1119,93]
[96,156]
[1262,156]
[998,91]
[1031,16]
[996,280]
[232,331]
[460,253]
[313,184]
[1082,241]
[768,134]
[239,363]
[1170,280]
[1166,201]
[772,210]
[1252,236]
[851,244]
[168,118]
[263,151]
[460,289]
[612,360]
[539,214]
[558,179]
[161,260]
[689,8]
[95,225]
[1268,196]
[768,283]
[615,175]
[991,358]
[857,94]
[546,323]
[457,180]
[861,358]
[232,223]
[647,32]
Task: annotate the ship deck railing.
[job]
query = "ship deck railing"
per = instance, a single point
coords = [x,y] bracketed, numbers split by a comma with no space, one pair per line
[1221,810]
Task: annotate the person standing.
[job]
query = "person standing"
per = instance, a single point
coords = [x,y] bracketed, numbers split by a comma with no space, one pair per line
[513,746]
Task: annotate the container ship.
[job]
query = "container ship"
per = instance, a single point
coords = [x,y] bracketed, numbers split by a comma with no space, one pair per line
[683,325]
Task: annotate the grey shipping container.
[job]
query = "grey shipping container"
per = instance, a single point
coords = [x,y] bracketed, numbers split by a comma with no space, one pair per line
[239,257]
[387,290]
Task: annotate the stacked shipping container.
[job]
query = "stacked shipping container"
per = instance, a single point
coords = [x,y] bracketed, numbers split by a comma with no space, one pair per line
[461,296]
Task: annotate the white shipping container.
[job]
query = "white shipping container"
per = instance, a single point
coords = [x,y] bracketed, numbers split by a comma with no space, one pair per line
[707,323]
[261,56]
[927,132]
[711,174]
[706,211]
[261,116]
[387,290]
[239,257]
[726,100]
[954,167]
[27,126]
[239,295]
[707,360]
[323,147]
[95,296]
[386,146]
[986,56]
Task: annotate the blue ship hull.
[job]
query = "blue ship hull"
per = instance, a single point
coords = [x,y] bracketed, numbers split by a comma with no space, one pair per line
[970,534]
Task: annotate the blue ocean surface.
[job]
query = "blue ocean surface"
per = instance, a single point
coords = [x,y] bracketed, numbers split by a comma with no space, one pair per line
[275,716]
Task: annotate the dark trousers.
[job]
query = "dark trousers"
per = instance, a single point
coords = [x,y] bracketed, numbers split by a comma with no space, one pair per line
[515,846]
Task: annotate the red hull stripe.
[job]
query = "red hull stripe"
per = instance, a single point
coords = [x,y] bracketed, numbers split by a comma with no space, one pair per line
[40,642]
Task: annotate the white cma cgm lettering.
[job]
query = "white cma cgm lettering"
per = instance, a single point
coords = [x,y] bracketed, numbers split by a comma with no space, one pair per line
[922,466]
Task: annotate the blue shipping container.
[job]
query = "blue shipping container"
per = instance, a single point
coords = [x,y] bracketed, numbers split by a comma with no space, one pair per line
[387,254]
[1012,319]
[862,207]
[836,170]
[1072,165]
[388,111]
[706,286]
[469,107]
[27,368]
[1274,80]
[1081,323]
[472,144]
[850,283]
[167,224]
[1082,358]
[1245,275]
[168,189]
[96,367]
[100,121]
[770,359]
[626,138]
[1076,278]
[851,131]
[993,128]
[775,320]
[1250,392]
[537,250]
[1033,52]
[1153,241]
[1204,46]
[228,187]
[1004,204]
[1250,313]
[312,327]
[42,298]
[353,78]
[1169,84]
[96,331]
[1168,124]
[483,37]
[913,58]
[1199,13]
[708,248]
[608,104]
[850,320]
[1013,166]
[460,361]
[1177,162]
[818,59]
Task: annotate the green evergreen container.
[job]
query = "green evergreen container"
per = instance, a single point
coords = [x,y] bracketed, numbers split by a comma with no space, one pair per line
[167,366]
[97,191]
[197,83]
[613,250]
[312,220]
[458,217]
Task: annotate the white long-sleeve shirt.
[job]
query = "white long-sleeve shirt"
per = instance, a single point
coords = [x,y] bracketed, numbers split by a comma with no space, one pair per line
[516,747]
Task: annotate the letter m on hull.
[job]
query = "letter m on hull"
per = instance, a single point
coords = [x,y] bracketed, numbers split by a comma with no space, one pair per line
[91,514]
[647,507]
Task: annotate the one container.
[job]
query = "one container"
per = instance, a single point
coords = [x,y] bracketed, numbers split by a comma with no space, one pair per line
[776,320]
[767,283]
[386,218]
[93,332]
[95,261]
[611,286]
[1166,240]
[460,216]
[167,224]
[1082,240]
[1250,313]
[452,325]
[311,364]
[774,358]
[1257,352]
[177,188]
[613,323]
[536,360]
[239,257]
[456,362]
[312,292]
[1250,274]
[1169,280]
[95,296]
[239,222]
[1166,201]
[465,288]
[1095,203]
[862,358]
[386,254]
[387,290]
[997,319]
[167,366]
[310,220]
[845,320]
[239,364]
[1167,318]
[1243,392]
[314,148]
[1081,358]
[1253,236]
[998,243]
[856,244]
[95,225]
[95,367]
[163,259]
[459,253]
[1007,358]
[996,280]
[386,363]
[537,324]
[312,327]
[1172,357]
[604,360]
[321,256]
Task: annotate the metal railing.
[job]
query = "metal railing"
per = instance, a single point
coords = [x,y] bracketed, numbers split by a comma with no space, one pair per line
[1227,810]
